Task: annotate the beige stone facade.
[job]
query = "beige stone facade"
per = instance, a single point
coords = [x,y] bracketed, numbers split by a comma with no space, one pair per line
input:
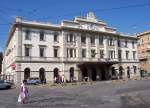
[144,50]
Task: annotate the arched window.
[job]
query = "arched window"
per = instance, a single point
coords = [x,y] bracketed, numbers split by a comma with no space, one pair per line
[56,72]
[128,72]
[42,75]
[26,73]
[71,74]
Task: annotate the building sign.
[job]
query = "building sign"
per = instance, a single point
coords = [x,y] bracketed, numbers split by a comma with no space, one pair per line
[13,66]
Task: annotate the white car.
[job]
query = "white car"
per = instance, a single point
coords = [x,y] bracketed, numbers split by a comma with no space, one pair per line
[34,80]
[4,85]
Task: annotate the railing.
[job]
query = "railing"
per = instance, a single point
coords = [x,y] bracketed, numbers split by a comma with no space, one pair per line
[24,58]
[77,59]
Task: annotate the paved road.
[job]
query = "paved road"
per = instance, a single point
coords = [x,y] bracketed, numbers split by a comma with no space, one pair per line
[129,94]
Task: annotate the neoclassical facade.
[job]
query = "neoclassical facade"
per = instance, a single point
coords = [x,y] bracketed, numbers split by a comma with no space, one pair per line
[84,47]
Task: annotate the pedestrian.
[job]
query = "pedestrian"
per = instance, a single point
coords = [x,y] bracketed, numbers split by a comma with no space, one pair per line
[23,93]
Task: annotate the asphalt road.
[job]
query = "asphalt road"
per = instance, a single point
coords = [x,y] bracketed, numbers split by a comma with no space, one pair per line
[128,94]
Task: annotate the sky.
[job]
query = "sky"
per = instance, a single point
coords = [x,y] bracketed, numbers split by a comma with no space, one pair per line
[128,16]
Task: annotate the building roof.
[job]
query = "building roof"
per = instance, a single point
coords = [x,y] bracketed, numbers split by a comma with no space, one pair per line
[75,25]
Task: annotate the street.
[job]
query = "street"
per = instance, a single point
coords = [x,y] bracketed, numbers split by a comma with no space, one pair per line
[122,94]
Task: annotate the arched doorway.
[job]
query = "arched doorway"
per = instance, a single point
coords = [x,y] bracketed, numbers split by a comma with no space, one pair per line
[27,73]
[113,72]
[120,72]
[128,72]
[103,74]
[94,74]
[84,73]
[56,73]
[42,75]
[71,74]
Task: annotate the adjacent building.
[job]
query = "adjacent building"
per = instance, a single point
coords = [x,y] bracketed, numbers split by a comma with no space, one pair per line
[144,50]
[82,48]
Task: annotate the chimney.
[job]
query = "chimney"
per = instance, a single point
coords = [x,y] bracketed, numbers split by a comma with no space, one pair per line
[18,19]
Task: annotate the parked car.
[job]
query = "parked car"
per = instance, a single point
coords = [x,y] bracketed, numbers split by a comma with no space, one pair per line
[33,80]
[4,85]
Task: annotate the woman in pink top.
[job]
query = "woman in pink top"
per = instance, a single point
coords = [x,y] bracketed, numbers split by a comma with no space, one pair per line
[23,93]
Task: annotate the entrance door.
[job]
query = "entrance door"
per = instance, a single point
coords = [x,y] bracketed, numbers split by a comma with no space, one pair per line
[84,73]
[103,74]
[42,75]
[94,74]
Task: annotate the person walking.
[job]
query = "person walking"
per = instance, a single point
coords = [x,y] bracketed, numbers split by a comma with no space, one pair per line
[23,93]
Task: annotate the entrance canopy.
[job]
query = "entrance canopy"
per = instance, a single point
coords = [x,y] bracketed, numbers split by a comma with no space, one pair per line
[97,63]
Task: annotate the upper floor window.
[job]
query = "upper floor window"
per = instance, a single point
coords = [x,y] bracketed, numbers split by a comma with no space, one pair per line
[126,43]
[56,49]
[71,52]
[93,53]
[133,44]
[27,50]
[127,54]
[42,36]
[101,40]
[134,55]
[111,54]
[101,53]
[92,38]
[27,35]
[119,43]
[83,53]
[56,37]
[42,51]
[111,42]
[70,38]
[119,54]
[83,39]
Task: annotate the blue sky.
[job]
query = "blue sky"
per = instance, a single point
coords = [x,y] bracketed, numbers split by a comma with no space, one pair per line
[132,19]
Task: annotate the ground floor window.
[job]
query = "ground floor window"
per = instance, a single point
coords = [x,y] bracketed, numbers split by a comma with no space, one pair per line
[26,73]
[42,75]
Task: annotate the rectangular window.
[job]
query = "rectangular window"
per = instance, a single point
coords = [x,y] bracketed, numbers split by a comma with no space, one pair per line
[133,44]
[93,53]
[111,42]
[71,52]
[83,53]
[134,55]
[92,40]
[119,54]
[42,36]
[27,35]
[70,38]
[111,54]
[127,54]
[55,52]
[83,39]
[101,40]
[56,37]
[27,50]
[42,51]
[101,53]
[119,43]
[126,44]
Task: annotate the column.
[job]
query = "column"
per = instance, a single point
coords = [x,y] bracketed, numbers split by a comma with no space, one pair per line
[106,55]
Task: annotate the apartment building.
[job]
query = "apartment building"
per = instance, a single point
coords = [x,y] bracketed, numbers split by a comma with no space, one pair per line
[81,48]
[144,50]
